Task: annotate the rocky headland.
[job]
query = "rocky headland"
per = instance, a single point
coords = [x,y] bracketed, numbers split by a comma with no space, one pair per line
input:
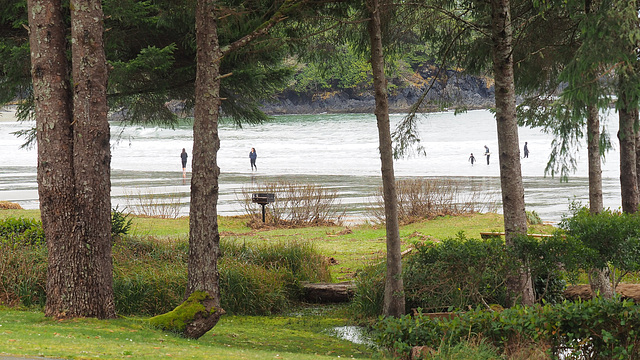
[450,89]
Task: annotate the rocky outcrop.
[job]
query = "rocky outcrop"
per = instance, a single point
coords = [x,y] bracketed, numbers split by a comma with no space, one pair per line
[450,89]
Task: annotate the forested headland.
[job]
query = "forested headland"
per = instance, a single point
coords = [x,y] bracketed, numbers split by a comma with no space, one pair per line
[350,90]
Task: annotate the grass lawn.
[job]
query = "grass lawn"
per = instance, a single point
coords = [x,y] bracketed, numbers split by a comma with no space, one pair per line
[302,335]
[27,333]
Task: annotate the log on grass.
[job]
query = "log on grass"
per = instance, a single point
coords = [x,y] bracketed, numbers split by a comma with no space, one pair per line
[328,292]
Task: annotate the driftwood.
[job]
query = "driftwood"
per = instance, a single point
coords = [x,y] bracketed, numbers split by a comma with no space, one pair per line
[328,292]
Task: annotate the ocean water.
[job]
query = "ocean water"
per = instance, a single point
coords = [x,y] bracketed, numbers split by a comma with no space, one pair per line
[337,151]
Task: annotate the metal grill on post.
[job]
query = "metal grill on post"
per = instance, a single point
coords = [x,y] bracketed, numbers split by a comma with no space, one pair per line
[263,199]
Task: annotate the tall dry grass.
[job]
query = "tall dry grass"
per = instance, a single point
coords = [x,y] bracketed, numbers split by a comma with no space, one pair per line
[420,199]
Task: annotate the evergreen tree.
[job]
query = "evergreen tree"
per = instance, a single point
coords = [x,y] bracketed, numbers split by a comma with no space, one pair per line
[73,157]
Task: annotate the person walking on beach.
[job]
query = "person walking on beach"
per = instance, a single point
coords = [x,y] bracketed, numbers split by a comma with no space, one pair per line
[472,159]
[253,156]
[487,153]
[526,150]
[183,155]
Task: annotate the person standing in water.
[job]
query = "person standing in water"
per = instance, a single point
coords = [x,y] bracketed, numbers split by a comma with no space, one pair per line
[252,157]
[184,156]
[526,150]
[472,159]
[487,153]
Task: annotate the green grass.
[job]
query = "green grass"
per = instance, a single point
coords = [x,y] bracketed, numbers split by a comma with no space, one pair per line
[297,336]
[294,337]
[353,249]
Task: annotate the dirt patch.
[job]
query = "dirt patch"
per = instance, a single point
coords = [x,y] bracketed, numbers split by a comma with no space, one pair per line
[626,291]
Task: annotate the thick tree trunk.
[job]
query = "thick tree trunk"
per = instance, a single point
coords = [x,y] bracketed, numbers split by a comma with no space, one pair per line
[73,159]
[627,116]
[204,238]
[394,304]
[599,278]
[515,219]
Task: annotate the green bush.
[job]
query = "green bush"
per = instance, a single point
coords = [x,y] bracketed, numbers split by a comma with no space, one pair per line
[608,239]
[595,329]
[461,273]
[456,273]
[21,231]
[120,223]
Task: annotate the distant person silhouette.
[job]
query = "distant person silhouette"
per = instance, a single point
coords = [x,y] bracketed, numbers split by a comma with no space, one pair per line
[184,156]
[487,153]
[472,159]
[252,157]
[526,150]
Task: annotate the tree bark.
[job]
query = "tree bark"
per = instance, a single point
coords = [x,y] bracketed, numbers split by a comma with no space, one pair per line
[599,278]
[595,163]
[394,303]
[204,238]
[515,219]
[73,158]
[627,117]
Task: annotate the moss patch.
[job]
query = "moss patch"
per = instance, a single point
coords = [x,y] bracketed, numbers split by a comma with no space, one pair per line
[176,320]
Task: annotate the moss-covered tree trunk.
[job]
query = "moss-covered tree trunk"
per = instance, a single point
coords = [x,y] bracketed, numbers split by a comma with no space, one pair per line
[204,238]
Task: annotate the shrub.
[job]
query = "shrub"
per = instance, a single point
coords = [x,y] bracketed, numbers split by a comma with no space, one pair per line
[148,203]
[295,205]
[120,223]
[456,273]
[533,218]
[428,198]
[461,273]
[21,231]
[608,239]
[596,329]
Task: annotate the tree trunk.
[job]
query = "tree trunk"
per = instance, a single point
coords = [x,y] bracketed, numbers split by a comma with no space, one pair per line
[204,238]
[515,219]
[599,278]
[595,164]
[627,116]
[73,158]
[394,304]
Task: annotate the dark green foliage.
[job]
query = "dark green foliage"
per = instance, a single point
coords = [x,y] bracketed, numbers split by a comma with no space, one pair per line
[461,273]
[596,329]
[120,223]
[609,238]
[456,273]
[21,231]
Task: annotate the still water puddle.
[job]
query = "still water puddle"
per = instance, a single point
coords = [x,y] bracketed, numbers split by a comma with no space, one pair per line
[355,334]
